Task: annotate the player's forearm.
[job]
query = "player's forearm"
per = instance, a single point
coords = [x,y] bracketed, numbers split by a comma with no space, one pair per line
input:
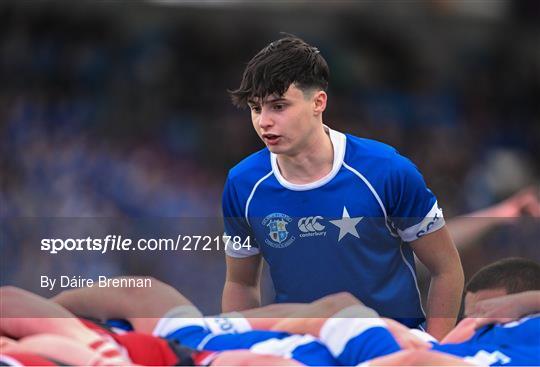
[247,358]
[312,318]
[467,229]
[532,301]
[25,313]
[264,318]
[132,304]
[418,358]
[443,301]
[512,306]
[238,297]
[88,302]
[275,310]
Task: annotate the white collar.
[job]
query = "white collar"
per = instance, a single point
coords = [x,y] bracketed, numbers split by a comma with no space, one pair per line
[339,142]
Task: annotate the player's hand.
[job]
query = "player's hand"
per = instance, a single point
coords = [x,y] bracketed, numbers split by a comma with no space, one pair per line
[499,310]
[462,332]
[524,202]
[404,337]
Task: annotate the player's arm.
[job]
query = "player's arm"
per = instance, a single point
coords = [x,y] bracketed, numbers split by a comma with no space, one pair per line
[61,349]
[418,219]
[438,253]
[25,314]
[242,279]
[418,358]
[310,318]
[275,310]
[70,351]
[242,283]
[467,228]
[342,305]
[142,307]
[264,318]
[506,308]
[247,358]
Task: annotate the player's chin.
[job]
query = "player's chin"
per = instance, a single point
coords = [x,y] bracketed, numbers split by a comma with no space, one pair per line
[277,148]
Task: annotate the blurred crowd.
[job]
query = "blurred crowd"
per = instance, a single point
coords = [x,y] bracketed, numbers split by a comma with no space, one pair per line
[120,110]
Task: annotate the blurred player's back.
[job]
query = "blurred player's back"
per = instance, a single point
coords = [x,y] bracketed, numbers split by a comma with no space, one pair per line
[513,344]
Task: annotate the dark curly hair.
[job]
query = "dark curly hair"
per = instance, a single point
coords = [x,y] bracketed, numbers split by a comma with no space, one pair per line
[281,63]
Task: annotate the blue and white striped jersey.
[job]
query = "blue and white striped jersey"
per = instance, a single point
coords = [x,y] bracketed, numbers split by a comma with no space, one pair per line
[512,344]
[205,335]
[354,341]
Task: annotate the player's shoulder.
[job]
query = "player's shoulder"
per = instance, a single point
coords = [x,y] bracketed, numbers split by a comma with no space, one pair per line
[371,151]
[251,168]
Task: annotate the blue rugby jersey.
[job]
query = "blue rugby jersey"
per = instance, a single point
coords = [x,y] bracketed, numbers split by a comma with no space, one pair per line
[195,333]
[512,344]
[354,341]
[348,231]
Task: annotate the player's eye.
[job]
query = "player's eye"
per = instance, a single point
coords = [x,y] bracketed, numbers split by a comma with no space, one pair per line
[279,106]
[256,109]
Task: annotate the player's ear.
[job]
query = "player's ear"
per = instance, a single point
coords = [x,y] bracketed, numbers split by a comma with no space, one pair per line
[319,102]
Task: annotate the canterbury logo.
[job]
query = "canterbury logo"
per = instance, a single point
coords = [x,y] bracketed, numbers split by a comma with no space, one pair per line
[310,224]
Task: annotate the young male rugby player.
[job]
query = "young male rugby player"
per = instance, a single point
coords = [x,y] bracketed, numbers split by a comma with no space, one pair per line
[329,211]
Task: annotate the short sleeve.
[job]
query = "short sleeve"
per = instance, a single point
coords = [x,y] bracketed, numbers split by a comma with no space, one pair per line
[413,208]
[235,222]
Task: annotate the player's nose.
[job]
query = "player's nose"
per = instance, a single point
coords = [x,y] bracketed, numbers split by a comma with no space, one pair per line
[265,120]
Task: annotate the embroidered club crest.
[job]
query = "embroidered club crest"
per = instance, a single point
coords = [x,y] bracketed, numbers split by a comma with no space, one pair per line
[277,230]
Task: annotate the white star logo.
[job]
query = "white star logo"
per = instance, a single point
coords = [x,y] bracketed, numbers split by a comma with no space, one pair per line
[347,224]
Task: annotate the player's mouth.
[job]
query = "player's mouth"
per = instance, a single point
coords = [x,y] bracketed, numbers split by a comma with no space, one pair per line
[271,139]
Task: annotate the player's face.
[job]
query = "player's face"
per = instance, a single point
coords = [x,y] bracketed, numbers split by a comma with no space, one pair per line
[286,123]
[471,299]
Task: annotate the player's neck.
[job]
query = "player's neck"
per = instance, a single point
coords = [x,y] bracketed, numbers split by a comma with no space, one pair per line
[311,163]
